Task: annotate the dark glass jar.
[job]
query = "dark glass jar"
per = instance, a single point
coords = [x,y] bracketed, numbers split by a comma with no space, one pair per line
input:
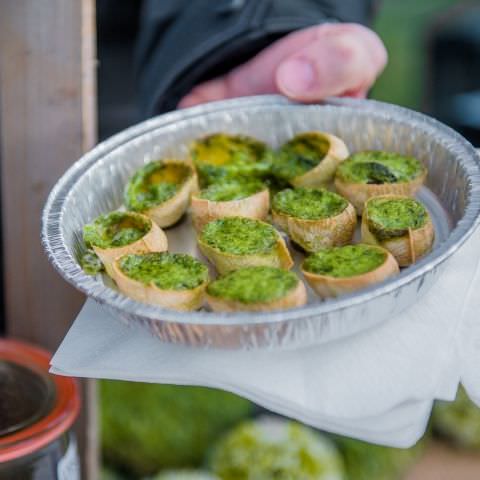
[37,410]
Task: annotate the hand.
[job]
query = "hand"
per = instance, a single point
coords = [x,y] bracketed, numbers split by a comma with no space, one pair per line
[341,59]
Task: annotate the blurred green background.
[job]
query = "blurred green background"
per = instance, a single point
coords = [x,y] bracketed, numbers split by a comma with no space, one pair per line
[403,25]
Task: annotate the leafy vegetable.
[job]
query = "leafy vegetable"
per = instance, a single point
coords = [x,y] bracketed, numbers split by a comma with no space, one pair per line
[274,449]
[459,421]
[366,461]
[185,475]
[107,473]
[146,427]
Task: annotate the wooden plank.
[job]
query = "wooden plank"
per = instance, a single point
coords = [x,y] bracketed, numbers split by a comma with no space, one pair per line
[47,119]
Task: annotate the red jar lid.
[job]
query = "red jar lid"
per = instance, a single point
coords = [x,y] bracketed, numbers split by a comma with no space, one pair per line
[36,407]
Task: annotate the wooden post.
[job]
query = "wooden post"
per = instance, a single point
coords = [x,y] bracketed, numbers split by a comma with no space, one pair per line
[47,120]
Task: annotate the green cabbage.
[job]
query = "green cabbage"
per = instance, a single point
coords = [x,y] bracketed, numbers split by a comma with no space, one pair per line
[107,473]
[275,449]
[147,427]
[366,461]
[184,475]
[459,421]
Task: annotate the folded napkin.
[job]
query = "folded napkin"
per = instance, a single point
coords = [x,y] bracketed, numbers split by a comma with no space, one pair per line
[378,385]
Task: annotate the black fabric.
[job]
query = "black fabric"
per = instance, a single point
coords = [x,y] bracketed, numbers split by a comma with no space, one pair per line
[184,42]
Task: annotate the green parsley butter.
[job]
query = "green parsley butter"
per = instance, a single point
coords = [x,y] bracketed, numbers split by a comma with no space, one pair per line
[254,285]
[155,183]
[377,167]
[301,154]
[309,203]
[184,475]
[393,217]
[168,271]
[220,156]
[115,229]
[240,236]
[345,261]
[91,263]
[232,190]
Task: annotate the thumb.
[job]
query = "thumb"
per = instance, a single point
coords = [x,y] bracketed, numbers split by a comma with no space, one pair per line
[307,65]
[332,64]
[254,77]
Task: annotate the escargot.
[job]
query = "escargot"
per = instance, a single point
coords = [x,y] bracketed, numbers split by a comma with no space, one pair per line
[314,218]
[339,270]
[372,173]
[234,242]
[230,199]
[220,156]
[161,190]
[256,289]
[171,280]
[400,224]
[118,233]
[309,159]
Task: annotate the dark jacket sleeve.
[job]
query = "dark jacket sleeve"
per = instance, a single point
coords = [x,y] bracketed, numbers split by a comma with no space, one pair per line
[184,42]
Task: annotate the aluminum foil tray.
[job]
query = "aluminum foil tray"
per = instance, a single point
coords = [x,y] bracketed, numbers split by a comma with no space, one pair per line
[95,183]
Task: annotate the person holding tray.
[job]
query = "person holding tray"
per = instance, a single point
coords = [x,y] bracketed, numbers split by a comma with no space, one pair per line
[199,51]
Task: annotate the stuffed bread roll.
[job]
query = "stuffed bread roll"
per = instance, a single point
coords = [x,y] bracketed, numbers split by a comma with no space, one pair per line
[400,224]
[372,173]
[256,289]
[221,156]
[309,159]
[118,233]
[338,270]
[314,218]
[230,199]
[170,280]
[161,190]
[235,242]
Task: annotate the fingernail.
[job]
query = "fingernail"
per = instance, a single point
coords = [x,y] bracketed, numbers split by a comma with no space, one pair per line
[296,76]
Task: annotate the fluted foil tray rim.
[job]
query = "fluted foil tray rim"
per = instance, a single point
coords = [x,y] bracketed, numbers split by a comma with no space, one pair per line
[60,257]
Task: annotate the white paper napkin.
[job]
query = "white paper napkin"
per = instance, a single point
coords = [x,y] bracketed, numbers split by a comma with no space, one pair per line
[378,385]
